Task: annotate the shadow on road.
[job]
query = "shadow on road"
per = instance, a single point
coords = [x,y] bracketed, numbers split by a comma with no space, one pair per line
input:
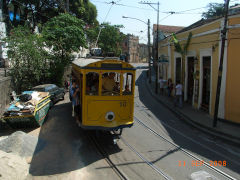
[164,116]
[66,147]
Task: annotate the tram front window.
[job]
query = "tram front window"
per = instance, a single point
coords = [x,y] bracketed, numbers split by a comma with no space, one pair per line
[92,82]
[127,83]
[111,84]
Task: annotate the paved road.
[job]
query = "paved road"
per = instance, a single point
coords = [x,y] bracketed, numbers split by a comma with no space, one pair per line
[64,151]
[165,155]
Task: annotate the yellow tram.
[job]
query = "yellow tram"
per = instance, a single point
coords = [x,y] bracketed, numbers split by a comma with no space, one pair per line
[106,93]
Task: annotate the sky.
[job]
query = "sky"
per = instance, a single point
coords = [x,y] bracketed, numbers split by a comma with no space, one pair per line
[132,8]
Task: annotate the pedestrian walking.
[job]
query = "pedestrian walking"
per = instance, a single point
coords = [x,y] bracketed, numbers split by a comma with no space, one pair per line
[178,90]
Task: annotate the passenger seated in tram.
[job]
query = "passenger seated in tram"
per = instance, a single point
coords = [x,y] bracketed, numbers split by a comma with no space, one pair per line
[92,84]
[126,91]
[109,84]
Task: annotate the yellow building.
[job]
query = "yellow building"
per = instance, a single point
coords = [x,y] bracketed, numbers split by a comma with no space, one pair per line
[198,69]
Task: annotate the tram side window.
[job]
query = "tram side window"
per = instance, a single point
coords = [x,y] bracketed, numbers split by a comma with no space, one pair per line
[111,84]
[92,82]
[127,83]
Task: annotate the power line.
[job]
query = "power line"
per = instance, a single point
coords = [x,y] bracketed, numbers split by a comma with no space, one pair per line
[163,12]
[191,9]
[123,5]
[165,17]
[134,31]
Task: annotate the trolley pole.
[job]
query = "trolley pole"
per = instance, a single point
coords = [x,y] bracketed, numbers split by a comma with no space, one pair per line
[224,31]
[149,54]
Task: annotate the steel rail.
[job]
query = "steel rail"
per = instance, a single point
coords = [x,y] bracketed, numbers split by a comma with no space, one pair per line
[196,142]
[145,160]
[185,151]
[106,157]
[174,129]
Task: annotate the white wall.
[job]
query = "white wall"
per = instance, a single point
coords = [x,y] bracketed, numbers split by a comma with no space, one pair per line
[3,50]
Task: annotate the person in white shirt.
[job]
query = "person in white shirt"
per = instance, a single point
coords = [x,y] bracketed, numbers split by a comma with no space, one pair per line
[161,84]
[178,99]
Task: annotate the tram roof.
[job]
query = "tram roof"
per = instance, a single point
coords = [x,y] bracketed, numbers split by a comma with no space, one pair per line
[84,62]
[81,62]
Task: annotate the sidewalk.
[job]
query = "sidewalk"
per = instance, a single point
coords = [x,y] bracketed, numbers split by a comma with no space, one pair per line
[197,118]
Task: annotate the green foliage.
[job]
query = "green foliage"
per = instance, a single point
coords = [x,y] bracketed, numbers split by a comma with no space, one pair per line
[214,10]
[110,37]
[38,59]
[38,12]
[64,35]
[84,10]
[28,59]
[92,34]
[178,47]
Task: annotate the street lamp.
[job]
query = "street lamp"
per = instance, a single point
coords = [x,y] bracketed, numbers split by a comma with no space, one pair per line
[149,54]
[135,19]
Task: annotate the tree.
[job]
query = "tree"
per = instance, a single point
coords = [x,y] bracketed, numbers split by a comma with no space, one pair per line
[214,10]
[84,10]
[110,37]
[28,57]
[38,12]
[64,35]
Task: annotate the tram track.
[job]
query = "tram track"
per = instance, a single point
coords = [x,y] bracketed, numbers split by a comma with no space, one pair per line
[159,171]
[225,175]
[105,155]
[187,153]
[149,116]
[120,174]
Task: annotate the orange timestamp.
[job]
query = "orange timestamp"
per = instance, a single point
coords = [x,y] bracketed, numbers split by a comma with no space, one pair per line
[198,163]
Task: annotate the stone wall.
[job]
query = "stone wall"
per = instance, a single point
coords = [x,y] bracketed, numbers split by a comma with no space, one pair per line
[5,90]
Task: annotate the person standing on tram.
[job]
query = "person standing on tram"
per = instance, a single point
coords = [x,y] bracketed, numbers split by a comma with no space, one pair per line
[75,94]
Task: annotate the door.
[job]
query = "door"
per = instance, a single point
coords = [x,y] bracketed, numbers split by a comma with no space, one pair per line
[190,80]
[178,69]
[206,83]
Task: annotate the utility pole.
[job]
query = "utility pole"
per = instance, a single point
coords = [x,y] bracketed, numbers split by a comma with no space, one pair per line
[224,31]
[156,43]
[149,54]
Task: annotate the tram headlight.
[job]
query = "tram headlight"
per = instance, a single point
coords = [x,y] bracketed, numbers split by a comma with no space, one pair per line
[110,116]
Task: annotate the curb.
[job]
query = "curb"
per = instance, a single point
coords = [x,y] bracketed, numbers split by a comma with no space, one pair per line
[199,126]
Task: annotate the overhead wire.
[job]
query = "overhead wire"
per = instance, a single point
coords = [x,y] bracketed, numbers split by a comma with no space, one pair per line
[108,13]
[123,5]
[165,17]
[164,12]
